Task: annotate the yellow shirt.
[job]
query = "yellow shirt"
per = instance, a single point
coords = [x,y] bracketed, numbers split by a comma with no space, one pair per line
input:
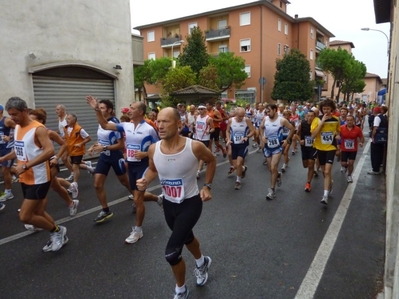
[325,140]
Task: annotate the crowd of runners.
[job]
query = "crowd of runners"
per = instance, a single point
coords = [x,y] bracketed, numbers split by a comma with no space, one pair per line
[175,145]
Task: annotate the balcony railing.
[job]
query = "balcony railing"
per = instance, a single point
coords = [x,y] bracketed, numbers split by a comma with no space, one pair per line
[169,41]
[320,46]
[215,54]
[217,34]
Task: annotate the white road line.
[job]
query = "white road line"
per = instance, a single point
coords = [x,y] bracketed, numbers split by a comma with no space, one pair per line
[313,276]
[81,214]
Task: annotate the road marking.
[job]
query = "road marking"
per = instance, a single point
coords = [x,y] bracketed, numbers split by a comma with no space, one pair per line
[313,276]
[80,214]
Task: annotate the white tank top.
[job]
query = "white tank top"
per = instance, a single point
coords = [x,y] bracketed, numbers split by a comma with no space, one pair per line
[201,128]
[177,172]
[238,130]
[273,132]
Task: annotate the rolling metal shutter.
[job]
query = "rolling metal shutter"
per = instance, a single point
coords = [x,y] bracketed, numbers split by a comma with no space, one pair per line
[50,92]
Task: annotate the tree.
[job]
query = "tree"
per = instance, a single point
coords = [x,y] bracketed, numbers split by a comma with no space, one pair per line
[334,62]
[194,52]
[353,79]
[230,70]
[291,80]
[209,77]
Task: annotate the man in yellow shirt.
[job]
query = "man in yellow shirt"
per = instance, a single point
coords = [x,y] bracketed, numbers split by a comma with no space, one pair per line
[325,132]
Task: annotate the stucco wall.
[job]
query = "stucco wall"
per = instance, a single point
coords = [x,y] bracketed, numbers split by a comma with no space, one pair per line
[94,32]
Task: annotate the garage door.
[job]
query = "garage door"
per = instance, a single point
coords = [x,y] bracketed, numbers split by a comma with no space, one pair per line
[50,92]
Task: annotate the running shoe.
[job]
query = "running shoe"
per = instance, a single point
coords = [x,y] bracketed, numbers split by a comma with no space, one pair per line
[255,145]
[160,201]
[183,295]
[6,196]
[373,172]
[134,236]
[244,171]
[343,169]
[283,168]
[74,190]
[102,216]
[130,197]
[293,153]
[57,238]
[270,194]
[324,199]
[307,187]
[2,206]
[316,173]
[237,186]
[73,208]
[70,178]
[32,228]
[202,272]
[279,181]
[331,187]
[231,170]
[48,246]
[349,179]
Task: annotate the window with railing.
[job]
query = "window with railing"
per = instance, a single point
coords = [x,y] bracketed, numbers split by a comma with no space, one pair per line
[279,49]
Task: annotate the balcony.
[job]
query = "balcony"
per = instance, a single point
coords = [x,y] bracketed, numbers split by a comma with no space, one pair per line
[167,42]
[223,50]
[320,46]
[217,34]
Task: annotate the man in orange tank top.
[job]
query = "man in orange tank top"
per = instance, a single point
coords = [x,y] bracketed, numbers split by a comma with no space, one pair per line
[217,119]
[33,149]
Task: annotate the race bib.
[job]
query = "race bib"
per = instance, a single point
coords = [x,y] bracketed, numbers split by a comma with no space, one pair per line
[131,150]
[105,143]
[173,189]
[19,148]
[327,137]
[273,142]
[349,144]
[237,138]
[308,141]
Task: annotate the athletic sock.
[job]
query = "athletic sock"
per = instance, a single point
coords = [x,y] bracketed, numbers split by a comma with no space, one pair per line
[238,179]
[181,289]
[325,192]
[200,261]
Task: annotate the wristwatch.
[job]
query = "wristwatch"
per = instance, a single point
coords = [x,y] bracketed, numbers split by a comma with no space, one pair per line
[104,148]
[24,167]
[209,185]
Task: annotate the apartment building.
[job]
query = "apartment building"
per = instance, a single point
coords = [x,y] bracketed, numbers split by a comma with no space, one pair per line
[260,32]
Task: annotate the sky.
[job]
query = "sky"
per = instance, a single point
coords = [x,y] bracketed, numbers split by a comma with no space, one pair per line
[343,18]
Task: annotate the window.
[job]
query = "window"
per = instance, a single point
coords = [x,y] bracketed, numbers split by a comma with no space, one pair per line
[223,49]
[247,69]
[279,25]
[191,26]
[150,36]
[311,55]
[245,18]
[312,33]
[279,49]
[245,45]
[222,24]
[286,29]
[151,56]
[286,49]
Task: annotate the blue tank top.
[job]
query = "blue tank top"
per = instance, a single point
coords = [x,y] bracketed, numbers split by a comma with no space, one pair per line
[4,131]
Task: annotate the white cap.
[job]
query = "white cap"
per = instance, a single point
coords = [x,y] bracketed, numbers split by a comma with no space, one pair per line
[201,106]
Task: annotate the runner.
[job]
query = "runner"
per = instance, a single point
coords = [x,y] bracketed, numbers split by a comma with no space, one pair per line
[258,117]
[203,129]
[307,149]
[295,120]
[174,159]
[232,169]
[6,128]
[285,133]
[60,110]
[40,115]
[139,136]
[239,130]
[325,132]
[33,149]
[272,144]
[350,134]
[217,119]
[110,144]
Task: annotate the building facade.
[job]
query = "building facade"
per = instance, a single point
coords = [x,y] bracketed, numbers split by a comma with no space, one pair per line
[55,52]
[260,32]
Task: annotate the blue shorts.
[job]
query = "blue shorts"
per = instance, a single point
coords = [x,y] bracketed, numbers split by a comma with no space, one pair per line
[268,152]
[103,166]
[136,171]
[239,150]
[3,152]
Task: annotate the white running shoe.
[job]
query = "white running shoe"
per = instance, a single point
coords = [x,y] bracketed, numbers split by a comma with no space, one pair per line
[74,190]
[57,238]
[202,272]
[6,196]
[349,179]
[134,236]
[130,197]
[32,228]
[48,246]
[70,178]
[324,199]
[73,209]
[183,295]
[270,194]
[2,206]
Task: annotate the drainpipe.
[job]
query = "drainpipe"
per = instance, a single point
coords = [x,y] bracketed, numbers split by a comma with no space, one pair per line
[261,52]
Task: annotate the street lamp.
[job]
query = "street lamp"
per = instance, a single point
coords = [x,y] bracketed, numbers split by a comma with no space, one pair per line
[173,58]
[369,29]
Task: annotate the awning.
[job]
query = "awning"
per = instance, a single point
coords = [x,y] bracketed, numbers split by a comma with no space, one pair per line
[382,92]
[319,73]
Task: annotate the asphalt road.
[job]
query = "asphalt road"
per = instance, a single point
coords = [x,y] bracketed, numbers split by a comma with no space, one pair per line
[260,249]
